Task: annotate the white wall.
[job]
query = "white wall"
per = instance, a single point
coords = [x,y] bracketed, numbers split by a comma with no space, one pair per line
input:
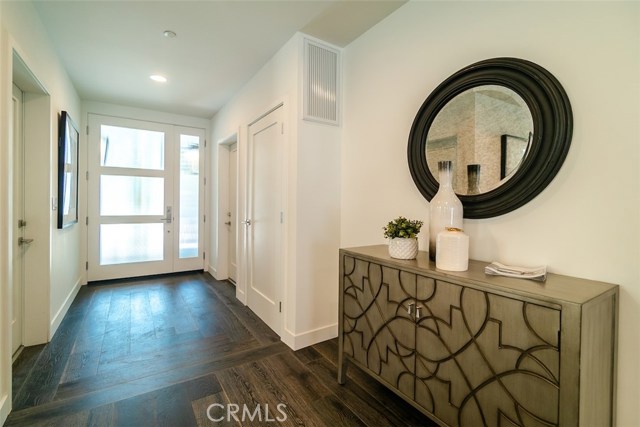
[312,198]
[318,230]
[587,222]
[23,32]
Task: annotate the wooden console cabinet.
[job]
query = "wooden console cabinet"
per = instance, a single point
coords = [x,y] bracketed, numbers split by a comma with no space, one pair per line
[469,349]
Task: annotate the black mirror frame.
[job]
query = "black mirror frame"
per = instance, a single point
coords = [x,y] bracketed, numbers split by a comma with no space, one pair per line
[552,131]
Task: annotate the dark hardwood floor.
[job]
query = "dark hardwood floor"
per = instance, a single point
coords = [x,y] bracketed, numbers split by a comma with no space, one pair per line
[182,351]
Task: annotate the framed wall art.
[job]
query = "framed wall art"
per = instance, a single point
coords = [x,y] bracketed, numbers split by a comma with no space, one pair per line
[68,142]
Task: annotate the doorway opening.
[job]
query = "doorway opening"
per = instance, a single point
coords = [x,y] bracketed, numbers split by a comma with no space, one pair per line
[228,186]
[31,216]
[232,214]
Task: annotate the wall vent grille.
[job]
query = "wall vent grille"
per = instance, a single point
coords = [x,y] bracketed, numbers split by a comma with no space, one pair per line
[321,83]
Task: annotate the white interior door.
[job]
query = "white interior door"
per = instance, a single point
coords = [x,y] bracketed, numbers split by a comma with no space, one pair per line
[20,244]
[232,216]
[145,198]
[265,219]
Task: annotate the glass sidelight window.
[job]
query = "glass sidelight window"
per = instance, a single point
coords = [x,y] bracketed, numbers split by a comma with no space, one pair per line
[189,195]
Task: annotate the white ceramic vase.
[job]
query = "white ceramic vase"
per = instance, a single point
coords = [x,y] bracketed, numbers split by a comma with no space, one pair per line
[452,250]
[445,209]
[403,248]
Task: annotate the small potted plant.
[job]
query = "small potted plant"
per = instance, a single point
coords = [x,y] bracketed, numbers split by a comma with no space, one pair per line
[402,234]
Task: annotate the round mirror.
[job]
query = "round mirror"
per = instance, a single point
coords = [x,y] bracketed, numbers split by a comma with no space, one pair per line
[485,132]
[504,123]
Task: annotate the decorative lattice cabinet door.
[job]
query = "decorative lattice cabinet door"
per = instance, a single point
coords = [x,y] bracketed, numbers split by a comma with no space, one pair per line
[485,359]
[379,332]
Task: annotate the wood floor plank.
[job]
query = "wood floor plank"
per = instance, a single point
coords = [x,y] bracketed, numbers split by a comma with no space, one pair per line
[81,365]
[136,411]
[90,336]
[159,342]
[102,416]
[78,419]
[307,354]
[356,398]
[329,350]
[23,365]
[120,308]
[290,375]
[173,407]
[278,398]
[140,310]
[226,293]
[203,386]
[335,413]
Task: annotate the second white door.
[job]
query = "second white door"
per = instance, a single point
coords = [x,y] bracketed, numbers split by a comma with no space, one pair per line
[232,213]
[266,218]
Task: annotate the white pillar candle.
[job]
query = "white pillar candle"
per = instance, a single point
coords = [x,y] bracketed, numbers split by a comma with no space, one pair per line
[452,250]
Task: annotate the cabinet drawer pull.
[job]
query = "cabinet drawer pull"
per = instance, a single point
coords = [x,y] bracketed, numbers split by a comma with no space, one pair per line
[418,312]
[410,309]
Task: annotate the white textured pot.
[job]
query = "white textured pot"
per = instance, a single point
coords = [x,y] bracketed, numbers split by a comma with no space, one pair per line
[402,248]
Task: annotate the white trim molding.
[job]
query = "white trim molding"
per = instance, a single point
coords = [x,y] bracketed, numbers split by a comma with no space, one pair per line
[305,339]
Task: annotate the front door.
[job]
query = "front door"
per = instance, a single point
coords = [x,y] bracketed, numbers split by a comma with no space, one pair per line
[266,217]
[145,198]
[20,243]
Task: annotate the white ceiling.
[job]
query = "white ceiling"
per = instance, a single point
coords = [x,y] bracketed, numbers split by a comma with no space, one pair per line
[110,48]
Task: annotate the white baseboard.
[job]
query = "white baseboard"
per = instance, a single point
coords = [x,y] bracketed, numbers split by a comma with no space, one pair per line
[298,341]
[241,295]
[5,407]
[212,271]
[57,319]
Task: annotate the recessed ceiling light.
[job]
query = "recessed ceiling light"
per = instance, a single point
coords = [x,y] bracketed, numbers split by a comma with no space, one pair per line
[158,78]
[169,34]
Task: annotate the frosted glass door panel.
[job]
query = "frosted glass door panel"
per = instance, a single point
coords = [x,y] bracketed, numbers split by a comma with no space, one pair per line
[189,195]
[123,147]
[128,243]
[131,195]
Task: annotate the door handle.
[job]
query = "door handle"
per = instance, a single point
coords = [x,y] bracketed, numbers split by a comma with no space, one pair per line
[23,241]
[227,223]
[246,222]
[410,309]
[168,216]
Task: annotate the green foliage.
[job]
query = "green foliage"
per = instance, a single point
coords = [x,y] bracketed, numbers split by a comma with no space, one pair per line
[402,227]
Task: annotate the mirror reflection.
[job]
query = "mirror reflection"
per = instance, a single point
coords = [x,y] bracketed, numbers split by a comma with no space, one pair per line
[486,131]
